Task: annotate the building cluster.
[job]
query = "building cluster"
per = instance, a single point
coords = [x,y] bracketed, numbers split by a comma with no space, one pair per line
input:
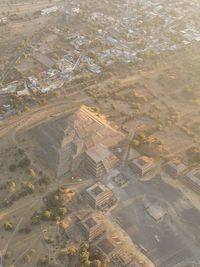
[110,248]
[125,34]
[99,196]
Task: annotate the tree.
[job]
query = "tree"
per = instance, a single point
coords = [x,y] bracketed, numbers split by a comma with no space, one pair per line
[12,167]
[72,250]
[36,219]
[11,185]
[29,187]
[62,211]
[84,246]
[24,163]
[27,259]
[8,226]
[46,215]
[32,172]
[135,143]
[44,260]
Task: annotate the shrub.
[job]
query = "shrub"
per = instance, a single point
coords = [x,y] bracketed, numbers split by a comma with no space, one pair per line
[71,250]
[29,187]
[8,226]
[62,211]
[12,167]
[47,215]
[24,163]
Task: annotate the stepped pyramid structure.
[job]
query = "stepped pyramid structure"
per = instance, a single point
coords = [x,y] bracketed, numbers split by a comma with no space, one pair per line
[76,138]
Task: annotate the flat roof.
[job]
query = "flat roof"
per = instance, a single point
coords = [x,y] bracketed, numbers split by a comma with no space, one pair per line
[142,161]
[98,153]
[97,190]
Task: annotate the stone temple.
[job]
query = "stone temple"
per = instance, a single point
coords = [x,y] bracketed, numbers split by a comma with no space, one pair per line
[81,137]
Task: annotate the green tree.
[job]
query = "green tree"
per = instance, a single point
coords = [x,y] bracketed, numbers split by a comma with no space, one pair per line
[62,211]
[72,250]
[8,226]
[29,187]
[47,215]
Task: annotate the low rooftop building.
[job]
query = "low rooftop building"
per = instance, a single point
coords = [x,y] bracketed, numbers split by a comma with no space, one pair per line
[113,251]
[142,165]
[99,195]
[100,160]
[175,167]
[107,247]
[192,180]
[92,228]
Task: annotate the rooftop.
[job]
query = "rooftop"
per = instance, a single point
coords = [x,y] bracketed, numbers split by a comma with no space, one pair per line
[97,189]
[98,153]
[142,161]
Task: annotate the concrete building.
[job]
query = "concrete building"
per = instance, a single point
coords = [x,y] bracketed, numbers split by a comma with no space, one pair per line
[100,160]
[192,179]
[142,165]
[92,228]
[111,250]
[175,168]
[99,195]
[107,248]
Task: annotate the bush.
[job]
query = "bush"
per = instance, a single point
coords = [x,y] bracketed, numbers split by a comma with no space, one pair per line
[44,261]
[35,219]
[62,211]
[135,143]
[44,180]
[71,250]
[47,215]
[20,151]
[8,226]
[24,163]
[29,187]
[11,186]
[32,172]
[27,259]
[12,167]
